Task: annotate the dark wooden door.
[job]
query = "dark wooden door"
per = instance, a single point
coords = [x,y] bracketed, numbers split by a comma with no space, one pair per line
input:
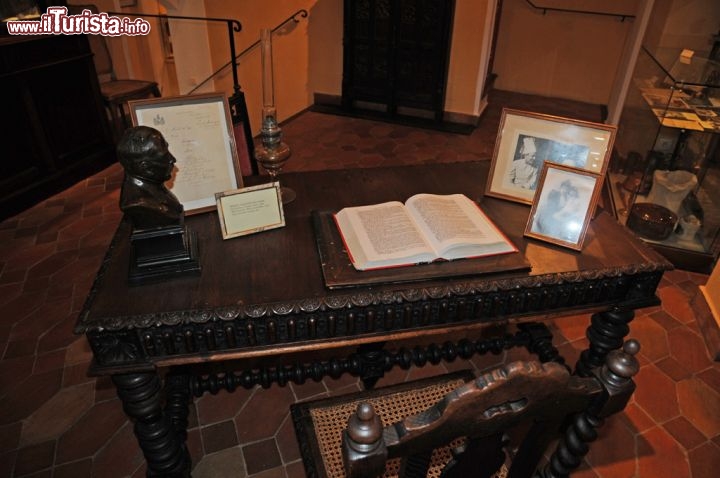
[396,55]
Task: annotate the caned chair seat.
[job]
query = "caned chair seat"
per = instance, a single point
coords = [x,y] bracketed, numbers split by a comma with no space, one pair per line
[319,424]
[499,424]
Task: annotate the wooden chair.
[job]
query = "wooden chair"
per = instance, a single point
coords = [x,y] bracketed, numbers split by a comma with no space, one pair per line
[499,424]
[115,92]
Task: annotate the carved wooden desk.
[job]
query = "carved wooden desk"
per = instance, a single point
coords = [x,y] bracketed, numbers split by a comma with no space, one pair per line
[260,312]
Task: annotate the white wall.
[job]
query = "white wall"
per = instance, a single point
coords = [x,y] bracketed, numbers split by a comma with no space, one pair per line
[191,45]
[557,54]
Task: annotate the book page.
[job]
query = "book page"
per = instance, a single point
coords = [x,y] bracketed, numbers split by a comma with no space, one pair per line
[382,232]
[452,220]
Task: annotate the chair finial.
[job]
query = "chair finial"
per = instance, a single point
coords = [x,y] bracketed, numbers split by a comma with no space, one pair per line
[621,365]
[364,426]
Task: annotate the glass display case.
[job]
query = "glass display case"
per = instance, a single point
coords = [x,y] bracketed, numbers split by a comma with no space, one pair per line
[664,177]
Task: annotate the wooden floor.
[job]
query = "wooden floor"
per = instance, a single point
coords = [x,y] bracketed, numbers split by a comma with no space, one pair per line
[56,422]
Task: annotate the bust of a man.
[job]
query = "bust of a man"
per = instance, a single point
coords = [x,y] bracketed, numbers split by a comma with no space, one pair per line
[143,153]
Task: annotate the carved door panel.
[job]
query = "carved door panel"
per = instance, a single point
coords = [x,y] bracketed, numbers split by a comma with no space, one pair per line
[396,55]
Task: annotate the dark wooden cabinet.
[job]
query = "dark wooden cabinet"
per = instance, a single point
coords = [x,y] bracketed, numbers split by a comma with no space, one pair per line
[55,130]
[396,55]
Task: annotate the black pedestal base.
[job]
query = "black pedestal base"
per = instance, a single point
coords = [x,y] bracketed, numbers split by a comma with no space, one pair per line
[161,254]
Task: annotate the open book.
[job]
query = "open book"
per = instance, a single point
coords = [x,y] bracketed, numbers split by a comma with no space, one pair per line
[426,228]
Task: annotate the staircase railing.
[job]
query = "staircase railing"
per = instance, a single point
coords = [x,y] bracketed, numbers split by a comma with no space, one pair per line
[295,17]
[238,106]
[622,16]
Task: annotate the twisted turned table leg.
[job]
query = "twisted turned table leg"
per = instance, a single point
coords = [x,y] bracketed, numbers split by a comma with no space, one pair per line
[607,332]
[161,443]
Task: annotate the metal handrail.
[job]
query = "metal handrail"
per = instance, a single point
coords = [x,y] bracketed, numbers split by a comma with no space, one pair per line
[587,12]
[295,17]
[232,26]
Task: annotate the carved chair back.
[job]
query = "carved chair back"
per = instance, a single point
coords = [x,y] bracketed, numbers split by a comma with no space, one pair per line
[529,397]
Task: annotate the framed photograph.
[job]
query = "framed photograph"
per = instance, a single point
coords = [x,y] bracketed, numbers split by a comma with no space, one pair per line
[199,133]
[250,210]
[564,205]
[526,141]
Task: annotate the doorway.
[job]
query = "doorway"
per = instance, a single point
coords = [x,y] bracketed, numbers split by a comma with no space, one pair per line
[395,57]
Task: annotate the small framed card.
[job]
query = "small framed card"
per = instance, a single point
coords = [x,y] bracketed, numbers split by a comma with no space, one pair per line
[564,205]
[250,210]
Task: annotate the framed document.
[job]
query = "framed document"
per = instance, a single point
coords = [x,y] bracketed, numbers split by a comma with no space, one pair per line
[527,140]
[250,210]
[200,135]
[564,205]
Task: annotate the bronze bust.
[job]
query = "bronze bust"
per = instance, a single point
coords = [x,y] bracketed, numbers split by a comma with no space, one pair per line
[143,153]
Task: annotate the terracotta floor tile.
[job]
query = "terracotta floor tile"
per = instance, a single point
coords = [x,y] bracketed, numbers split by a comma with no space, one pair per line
[57,414]
[13,276]
[53,263]
[287,441]
[689,349]
[652,337]
[60,335]
[91,431]
[310,388]
[78,352]
[265,412]
[700,405]
[7,463]
[228,463]
[13,370]
[295,470]
[76,374]
[429,370]
[656,394]
[194,445]
[711,377]
[223,406]
[277,472]
[613,454]
[676,303]
[41,320]
[660,456]
[25,231]
[676,276]
[47,237]
[49,361]
[104,389]
[10,436]
[9,292]
[120,456]
[261,456]
[572,327]
[23,305]
[344,381]
[684,432]
[705,461]
[219,436]
[636,418]
[78,469]
[36,285]
[689,287]
[674,369]
[29,395]
[34,458]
